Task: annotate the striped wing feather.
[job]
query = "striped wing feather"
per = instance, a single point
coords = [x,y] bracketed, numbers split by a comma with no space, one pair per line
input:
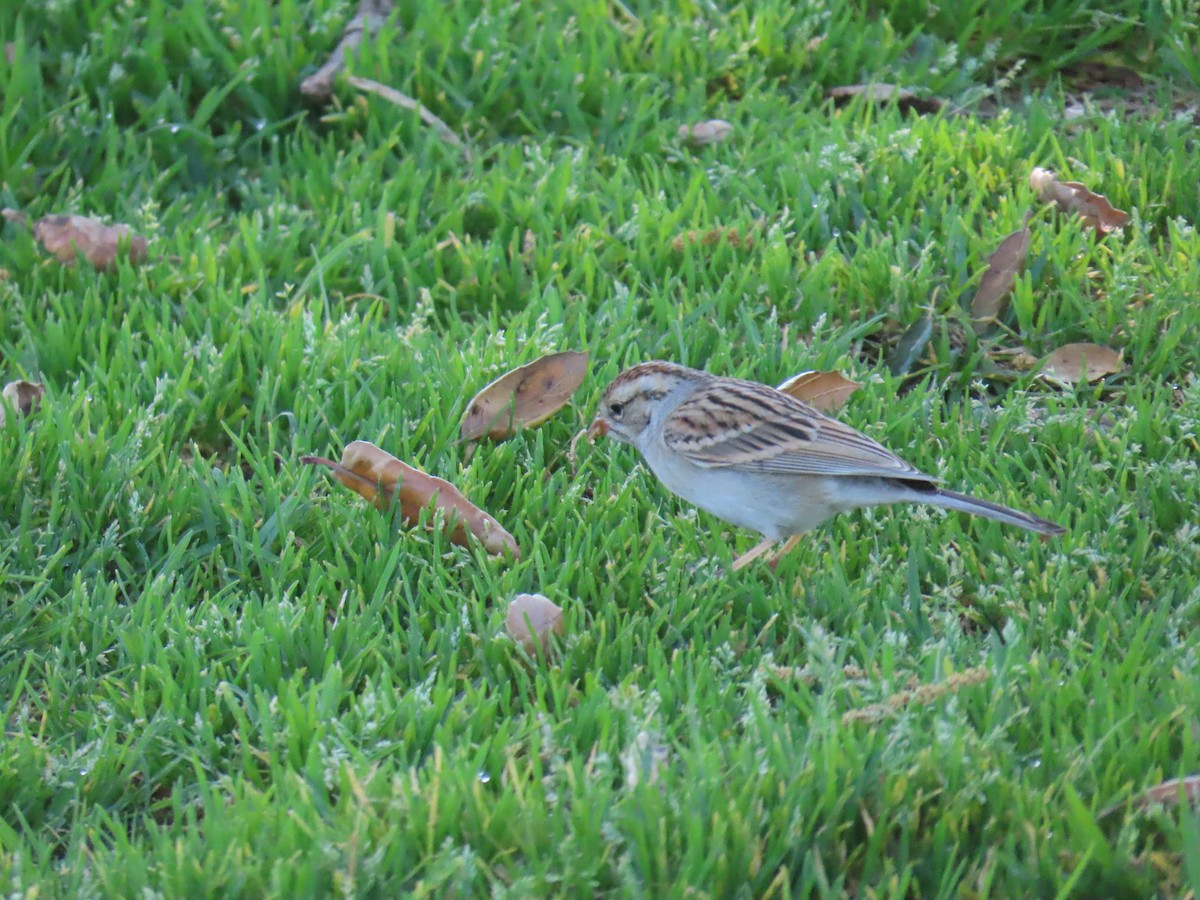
[751,426]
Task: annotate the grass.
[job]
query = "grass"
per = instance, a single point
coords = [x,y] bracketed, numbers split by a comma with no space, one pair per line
[224,675]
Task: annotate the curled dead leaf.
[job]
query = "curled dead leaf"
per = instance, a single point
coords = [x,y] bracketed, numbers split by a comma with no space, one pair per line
[999,277]
[524,397]
[1071,196]
[24,397]
[824,391]
[1169,793]
[1072,363]
[704,133]
[381,478]
[531,619]
[69,236]
[883,94]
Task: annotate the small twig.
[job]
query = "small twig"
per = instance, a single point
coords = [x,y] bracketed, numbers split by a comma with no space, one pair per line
[403,100]
[372,14]
[571,454]
[921,695]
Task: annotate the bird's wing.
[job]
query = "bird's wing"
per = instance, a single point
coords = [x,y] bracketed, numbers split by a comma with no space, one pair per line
[744,425]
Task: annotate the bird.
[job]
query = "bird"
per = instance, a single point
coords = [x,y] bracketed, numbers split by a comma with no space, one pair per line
[762,460]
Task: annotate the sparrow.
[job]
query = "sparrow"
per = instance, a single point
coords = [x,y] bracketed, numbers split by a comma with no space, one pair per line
[763,460]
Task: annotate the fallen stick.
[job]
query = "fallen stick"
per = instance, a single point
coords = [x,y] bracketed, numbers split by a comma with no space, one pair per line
[371,16]
[403,100]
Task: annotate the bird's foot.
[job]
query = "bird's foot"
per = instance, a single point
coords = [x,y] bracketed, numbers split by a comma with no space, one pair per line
[752,554]
[787,545]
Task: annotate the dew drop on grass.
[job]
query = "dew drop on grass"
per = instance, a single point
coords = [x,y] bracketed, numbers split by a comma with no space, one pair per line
[484,777]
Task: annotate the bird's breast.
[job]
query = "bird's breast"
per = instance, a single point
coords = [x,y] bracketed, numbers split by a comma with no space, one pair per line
[773,505]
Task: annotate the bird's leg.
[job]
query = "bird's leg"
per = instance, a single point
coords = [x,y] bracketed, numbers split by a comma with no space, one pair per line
[752,554]
[787,545]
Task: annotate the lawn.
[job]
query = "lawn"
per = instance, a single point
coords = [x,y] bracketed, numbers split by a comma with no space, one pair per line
[225,675]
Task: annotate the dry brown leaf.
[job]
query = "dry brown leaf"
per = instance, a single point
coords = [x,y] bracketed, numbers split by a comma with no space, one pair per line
[999,277]
[531,619]
[23,396]
[1071,196]
[712,237]
[704,133]
[825,391]
[380,477]
[1072,363]
[524,397]
[885,93]
[68,236]
[1169,793]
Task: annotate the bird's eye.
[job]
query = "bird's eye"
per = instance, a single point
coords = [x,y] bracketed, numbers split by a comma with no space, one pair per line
[615,409]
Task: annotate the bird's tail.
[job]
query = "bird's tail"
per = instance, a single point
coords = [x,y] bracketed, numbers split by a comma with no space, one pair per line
[977,507]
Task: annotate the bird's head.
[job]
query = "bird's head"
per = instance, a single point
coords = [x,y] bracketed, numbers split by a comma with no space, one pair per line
[635,397]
